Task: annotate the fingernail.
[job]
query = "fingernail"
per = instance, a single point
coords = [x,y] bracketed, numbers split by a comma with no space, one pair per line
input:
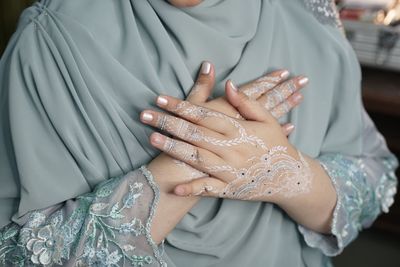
[297,97]
[233,86]
[303,81]
[157,139]
[205,68]
[147,116]
[179,190]
[284,74]
[162,101]
[290,128]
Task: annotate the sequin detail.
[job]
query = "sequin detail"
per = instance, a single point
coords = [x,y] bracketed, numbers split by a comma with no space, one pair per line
[362,196]
[325,11]
[107,227]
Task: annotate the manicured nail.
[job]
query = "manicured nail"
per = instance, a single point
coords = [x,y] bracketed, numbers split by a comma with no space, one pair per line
[233,86]
[205,68]
[147,116]
[297,97]
[303,81]
[157,139]
[162,101]
[290,128]
[180,191]
[284,74]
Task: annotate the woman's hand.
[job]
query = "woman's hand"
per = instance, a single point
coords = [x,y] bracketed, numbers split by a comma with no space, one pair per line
[170,173]
[273,91]
[250,160]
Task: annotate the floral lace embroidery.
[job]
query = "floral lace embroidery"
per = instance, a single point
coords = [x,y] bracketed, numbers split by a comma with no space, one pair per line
[325,11]
[361,198]
[96,233]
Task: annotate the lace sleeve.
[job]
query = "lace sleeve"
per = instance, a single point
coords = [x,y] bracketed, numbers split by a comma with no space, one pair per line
[325,11]
[365,187]
[107,227]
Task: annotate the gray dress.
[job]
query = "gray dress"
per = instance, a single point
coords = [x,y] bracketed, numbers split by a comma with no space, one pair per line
[73,80]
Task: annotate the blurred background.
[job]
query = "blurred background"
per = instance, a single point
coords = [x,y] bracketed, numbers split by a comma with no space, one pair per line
[373,28]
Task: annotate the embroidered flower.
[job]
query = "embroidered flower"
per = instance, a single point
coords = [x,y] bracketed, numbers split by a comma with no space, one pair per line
[99,226]
[108,259]
[45,246]
[135,226]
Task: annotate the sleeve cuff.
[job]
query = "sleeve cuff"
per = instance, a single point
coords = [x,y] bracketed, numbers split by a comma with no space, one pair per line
[360,200]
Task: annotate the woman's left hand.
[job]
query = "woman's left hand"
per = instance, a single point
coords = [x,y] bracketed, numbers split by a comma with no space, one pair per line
[245,159]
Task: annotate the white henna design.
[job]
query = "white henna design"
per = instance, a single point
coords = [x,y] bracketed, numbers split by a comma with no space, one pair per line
[184,151]
[179,128]
[275,172]
[206,189]
[192,173]
[261,86]
[279,94]
[196,113]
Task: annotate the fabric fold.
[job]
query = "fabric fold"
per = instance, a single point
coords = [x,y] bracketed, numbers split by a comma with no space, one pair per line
[77,74]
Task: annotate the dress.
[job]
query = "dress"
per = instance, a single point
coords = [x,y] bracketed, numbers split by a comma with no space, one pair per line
[74,78]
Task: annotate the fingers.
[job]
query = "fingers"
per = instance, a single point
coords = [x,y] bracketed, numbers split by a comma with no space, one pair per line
[207,187]
[258,87]
[283,108]
[280,93]
[202,116]
[196,157]
[182,129]
[204,84]
[249,109]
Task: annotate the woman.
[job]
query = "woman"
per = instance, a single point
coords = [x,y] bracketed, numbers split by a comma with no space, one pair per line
[76,76]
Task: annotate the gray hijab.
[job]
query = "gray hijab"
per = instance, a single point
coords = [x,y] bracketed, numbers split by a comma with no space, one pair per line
[76,75]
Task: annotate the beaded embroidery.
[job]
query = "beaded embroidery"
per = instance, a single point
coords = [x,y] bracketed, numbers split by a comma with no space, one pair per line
[325,11]
[361,198]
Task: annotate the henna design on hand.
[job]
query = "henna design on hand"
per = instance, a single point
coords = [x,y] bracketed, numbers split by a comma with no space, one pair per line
[197,113]
[262,85]
[276,172]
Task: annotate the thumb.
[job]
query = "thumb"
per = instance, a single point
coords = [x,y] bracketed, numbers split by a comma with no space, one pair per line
[249,109]
[204,84]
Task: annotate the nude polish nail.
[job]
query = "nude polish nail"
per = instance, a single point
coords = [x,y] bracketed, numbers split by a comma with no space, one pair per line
[233,86]
[303,81]
[157,139]
[205,68]
[284,74]
[147,116]
[179,191]
[162,101]
[290,128]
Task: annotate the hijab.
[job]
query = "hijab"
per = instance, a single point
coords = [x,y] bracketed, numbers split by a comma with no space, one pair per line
[76,75]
